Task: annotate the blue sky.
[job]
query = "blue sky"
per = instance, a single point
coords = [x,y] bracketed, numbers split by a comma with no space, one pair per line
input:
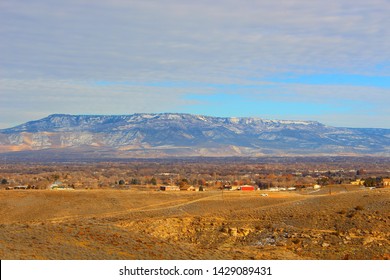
[327,61]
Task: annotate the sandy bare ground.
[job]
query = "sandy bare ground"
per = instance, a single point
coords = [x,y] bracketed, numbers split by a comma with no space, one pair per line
[112,224]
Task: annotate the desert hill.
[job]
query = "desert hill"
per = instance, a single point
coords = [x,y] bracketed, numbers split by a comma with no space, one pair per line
[112,224]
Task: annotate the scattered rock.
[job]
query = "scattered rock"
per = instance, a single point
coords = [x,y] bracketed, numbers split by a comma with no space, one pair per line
[244,231]
[368,240]
[232,231]
[296,241]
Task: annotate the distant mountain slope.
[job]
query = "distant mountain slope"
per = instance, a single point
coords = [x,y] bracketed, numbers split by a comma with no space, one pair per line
[159,135]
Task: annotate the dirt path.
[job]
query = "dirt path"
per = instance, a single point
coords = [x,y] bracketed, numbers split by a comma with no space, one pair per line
[147,208]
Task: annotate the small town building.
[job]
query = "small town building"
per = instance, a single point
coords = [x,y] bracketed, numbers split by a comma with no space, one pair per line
[169,188]
[226,187]
[247,188]
[386,182]
[188,188]
[21,187]
[191,189]
[57,185]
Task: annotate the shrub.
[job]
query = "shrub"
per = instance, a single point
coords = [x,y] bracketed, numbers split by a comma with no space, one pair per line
[359,208]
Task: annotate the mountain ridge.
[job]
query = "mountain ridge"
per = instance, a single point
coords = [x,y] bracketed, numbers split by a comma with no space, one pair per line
[52,119]
[179,134]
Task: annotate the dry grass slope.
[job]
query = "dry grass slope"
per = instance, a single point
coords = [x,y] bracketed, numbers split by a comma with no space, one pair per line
[113,224]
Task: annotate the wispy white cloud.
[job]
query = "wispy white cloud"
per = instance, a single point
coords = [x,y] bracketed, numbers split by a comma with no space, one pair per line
[55,53]
[45,97]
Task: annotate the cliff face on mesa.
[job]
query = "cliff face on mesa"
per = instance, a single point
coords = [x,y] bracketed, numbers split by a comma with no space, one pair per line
[159,135]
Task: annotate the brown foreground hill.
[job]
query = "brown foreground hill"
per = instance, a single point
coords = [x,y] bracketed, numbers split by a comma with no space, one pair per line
[127,224]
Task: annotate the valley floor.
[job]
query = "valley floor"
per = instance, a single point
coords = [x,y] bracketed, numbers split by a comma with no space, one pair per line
[127,224]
